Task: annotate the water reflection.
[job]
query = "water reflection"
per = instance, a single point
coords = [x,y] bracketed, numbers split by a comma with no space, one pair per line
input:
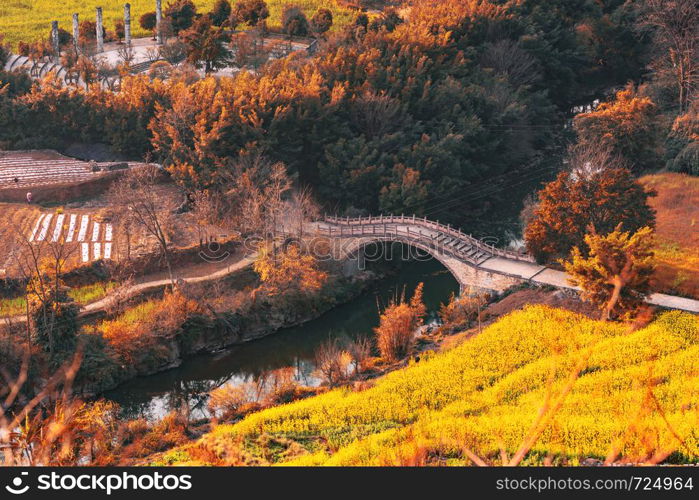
[154,396]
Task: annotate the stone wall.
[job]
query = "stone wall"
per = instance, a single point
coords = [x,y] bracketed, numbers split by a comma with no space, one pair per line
[61,193]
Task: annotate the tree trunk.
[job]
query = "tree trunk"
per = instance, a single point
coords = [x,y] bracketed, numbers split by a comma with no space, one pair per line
[614,299]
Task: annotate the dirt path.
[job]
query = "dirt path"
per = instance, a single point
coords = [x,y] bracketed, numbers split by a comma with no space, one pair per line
[161,283]
[153,284]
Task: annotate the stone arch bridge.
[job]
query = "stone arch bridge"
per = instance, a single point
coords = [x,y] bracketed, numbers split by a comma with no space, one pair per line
[474,263]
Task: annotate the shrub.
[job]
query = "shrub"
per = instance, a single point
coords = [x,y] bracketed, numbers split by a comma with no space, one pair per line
[294,21]
[333,362]
[148,21]
[226,400]
[399,321]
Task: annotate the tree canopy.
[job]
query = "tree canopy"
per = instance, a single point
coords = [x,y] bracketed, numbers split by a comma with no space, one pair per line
[573,202]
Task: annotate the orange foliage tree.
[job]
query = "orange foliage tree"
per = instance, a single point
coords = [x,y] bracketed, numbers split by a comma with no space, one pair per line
[603,198]
[289,270]
[396,331]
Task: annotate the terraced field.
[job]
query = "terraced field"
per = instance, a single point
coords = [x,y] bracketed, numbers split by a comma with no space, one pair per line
[20,170]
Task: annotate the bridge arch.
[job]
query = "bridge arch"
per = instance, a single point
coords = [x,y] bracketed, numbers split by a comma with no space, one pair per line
[468,275]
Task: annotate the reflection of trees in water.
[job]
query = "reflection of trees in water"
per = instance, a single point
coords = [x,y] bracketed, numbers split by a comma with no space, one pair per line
[153,397]
[189,397]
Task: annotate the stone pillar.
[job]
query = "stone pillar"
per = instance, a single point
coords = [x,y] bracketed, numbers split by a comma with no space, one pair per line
[99,31]
[159,21]
[55,42]
[76,33]
[127,24]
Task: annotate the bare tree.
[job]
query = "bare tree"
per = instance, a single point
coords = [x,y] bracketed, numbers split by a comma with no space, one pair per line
[508,59]
[41,265]
[136,193]
[332,361]
[676,27]
[360,350]
[256,186]
[126,55]
[586,159]
[303,209]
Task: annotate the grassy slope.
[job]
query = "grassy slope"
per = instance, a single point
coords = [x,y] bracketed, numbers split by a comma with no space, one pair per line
[82,295]
[29,20]
[488,391]
[677,205]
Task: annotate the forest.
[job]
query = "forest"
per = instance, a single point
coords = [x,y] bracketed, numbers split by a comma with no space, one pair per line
[358,122]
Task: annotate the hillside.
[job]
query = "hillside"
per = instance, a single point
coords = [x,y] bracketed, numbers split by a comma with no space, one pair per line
[677,232]
[30,20]
[633,395]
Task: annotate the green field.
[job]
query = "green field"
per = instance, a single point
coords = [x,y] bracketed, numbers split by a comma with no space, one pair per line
[81,295]
[29,20]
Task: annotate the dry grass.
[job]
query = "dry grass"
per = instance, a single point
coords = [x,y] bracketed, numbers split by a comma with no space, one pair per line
[677,251]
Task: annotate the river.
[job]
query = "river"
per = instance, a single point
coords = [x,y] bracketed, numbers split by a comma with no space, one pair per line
[154,396]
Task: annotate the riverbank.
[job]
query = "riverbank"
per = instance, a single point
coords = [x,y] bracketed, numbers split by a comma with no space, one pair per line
[161,333]
[293,348]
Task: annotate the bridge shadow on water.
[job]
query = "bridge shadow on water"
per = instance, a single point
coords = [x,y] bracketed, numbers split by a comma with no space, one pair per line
[154,396]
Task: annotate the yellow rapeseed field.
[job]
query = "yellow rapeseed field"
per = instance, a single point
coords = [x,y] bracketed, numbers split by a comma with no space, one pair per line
[636,397]
[30,20]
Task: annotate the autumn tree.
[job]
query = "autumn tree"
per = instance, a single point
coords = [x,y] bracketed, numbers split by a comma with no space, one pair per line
[395,335]
[250,12]
[288,270]
[220,13]
[616,274]
[628,126]
[601,197]
[181,15]
[321,21]
[148,22]
[206,45]
[294,21]
[88,33]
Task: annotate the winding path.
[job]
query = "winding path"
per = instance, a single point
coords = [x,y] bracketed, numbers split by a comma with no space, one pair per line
[471,261]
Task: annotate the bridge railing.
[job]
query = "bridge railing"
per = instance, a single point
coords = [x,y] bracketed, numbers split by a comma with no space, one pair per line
[373,221]
[397,233]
